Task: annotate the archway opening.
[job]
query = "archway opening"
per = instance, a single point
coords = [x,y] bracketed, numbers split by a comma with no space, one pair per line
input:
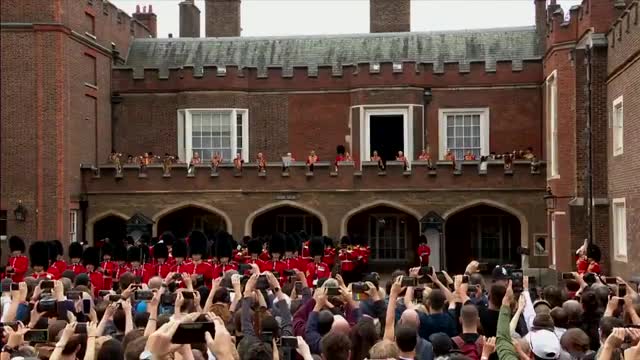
[392,234]
[286,219]
[483,233]
[112,227]
[182,221]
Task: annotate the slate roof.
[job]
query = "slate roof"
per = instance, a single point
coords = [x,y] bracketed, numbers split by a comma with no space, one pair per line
[464,47]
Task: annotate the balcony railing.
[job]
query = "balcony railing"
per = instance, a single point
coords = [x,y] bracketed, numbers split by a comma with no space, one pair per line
[419,176]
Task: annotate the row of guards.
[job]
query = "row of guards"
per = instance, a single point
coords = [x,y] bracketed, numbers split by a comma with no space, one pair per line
[203,258]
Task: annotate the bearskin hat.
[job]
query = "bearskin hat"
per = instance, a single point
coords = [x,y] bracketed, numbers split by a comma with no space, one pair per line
[254,246]
[134,254]
[593,252]
[198,243]
[291,244]
[145,254]
[106,249]
[59,247]
[16,244]
[277,244]
[245,240]
[303,235]
[39,254]
[75,250]
[53,251]
[179,249]
[328,242]
[316,247]
[223,246]
[345,241]
[160,251]
[91,256]
[340,149]
[423,239]
[119,251]
[168,238]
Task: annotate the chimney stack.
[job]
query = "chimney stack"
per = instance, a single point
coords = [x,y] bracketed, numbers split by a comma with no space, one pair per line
[148,18]
[541,24]
[189,19]
[389,16]
[222,18]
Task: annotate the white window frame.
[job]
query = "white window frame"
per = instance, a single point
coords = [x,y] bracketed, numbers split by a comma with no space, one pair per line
[184,119]
[551,110]
[73,226]
[374,241]
[407,129]
[617,123]
[620,241]
[485,118]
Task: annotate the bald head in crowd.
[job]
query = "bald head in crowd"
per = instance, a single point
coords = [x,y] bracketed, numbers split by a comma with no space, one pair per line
[155,283]
[340,324]
[410,318]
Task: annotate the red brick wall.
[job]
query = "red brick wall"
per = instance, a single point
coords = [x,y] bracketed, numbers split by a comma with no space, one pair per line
[222,18]
[515,123]
[624,80]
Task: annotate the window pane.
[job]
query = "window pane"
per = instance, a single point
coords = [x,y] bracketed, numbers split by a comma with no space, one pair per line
[476,142]
[450,120]
[476,131]
[459,142]
[449,131]
[459,120]
[459,131]
[467,120]
[226,142]
[196,121]
[476,120]
[450,142]
[196,142]
[206,142]
[467,142]
[467,130]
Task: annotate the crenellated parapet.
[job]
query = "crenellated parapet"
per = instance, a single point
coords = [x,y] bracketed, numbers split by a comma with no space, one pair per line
[591,16]
[419,175]
[623,37]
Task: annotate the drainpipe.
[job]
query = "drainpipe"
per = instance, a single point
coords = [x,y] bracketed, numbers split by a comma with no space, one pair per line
[589,136]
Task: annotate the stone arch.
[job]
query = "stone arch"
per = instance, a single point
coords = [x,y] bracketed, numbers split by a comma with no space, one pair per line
[159,215]
[251,217]
[391,204]
[524,224]
[93,220]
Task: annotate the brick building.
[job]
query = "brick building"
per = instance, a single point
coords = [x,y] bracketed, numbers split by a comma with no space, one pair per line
[478,91]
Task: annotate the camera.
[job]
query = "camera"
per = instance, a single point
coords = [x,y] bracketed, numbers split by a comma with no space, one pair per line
[114,298]
[426,270]
[465,279]
[567,276]
[74,295]
[168,298]
[298,286]
[408,281]
[188,295]
[244,268]
[359,287]
[289,273]
[262,283]
[289,341]
[101,293]
[193,333]
[333,291]
[143,295]
[177,276]
[47,305]
[418,294]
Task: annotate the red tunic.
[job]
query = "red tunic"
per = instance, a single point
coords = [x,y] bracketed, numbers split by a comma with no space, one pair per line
[121,269]
[424,251]
[329,256]
[205,269]
[305,249]
[265,255]
[20,264]
[182,268]
[142,272]
[60,266]
[582,265]
[278,266]
[149,271]
[594,267]
[162,270]
[97,280]
[77,268]
[220,269]
[317,271]
[110,268]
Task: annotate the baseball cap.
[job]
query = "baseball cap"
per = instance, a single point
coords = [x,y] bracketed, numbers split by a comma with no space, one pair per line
[545,344]
[499,273]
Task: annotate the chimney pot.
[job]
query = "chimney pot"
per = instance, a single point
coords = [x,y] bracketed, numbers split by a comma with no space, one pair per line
[144,9]
[137,8]
[189,20]
[170,35]
[222,18]
[150,8]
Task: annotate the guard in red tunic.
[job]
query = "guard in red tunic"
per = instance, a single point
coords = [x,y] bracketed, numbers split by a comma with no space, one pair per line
[59,264]
[52,254]
[167,238]
[75,254]
[134,258]
[317,269]
[18,263]
[593,256]
[179,252]
[424,251]
[276,248]
[348,259]
[108,267]
[254,248]
[91,261]
[265,255]
[120,257]
[290,261]
[329,257]
[198,246]
[39,256]
[161,254]
[224,251]
[301,262]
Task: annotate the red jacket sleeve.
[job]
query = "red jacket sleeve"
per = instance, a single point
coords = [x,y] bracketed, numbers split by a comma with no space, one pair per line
[21,265]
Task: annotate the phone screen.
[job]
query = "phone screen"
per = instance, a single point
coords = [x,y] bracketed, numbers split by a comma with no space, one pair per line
[193,333]
[86,306]
[15,286]
[37,336]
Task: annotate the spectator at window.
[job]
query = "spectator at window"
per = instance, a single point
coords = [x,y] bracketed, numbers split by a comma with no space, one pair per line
[469,156]
[261,161]
[377,159]
[312,159]
[403,159]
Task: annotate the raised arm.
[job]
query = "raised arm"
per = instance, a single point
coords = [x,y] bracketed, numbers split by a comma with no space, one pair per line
[390,320]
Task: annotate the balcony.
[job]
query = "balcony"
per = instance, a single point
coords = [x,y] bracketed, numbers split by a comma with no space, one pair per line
[442,176]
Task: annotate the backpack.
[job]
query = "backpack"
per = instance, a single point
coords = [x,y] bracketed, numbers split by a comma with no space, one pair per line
[472,350]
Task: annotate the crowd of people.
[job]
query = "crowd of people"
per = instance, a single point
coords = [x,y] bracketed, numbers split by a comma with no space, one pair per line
[288,296]
[342,155]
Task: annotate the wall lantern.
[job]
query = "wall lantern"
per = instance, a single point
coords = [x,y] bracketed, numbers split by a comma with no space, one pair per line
[20,212]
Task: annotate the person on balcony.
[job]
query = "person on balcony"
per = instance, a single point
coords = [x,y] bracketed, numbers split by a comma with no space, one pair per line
[312,159]
[377,159]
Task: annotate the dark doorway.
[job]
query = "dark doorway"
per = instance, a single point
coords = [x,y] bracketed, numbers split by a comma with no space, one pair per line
[182,222]
[386,133]
[112,227]
[482,233]
[286,219]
